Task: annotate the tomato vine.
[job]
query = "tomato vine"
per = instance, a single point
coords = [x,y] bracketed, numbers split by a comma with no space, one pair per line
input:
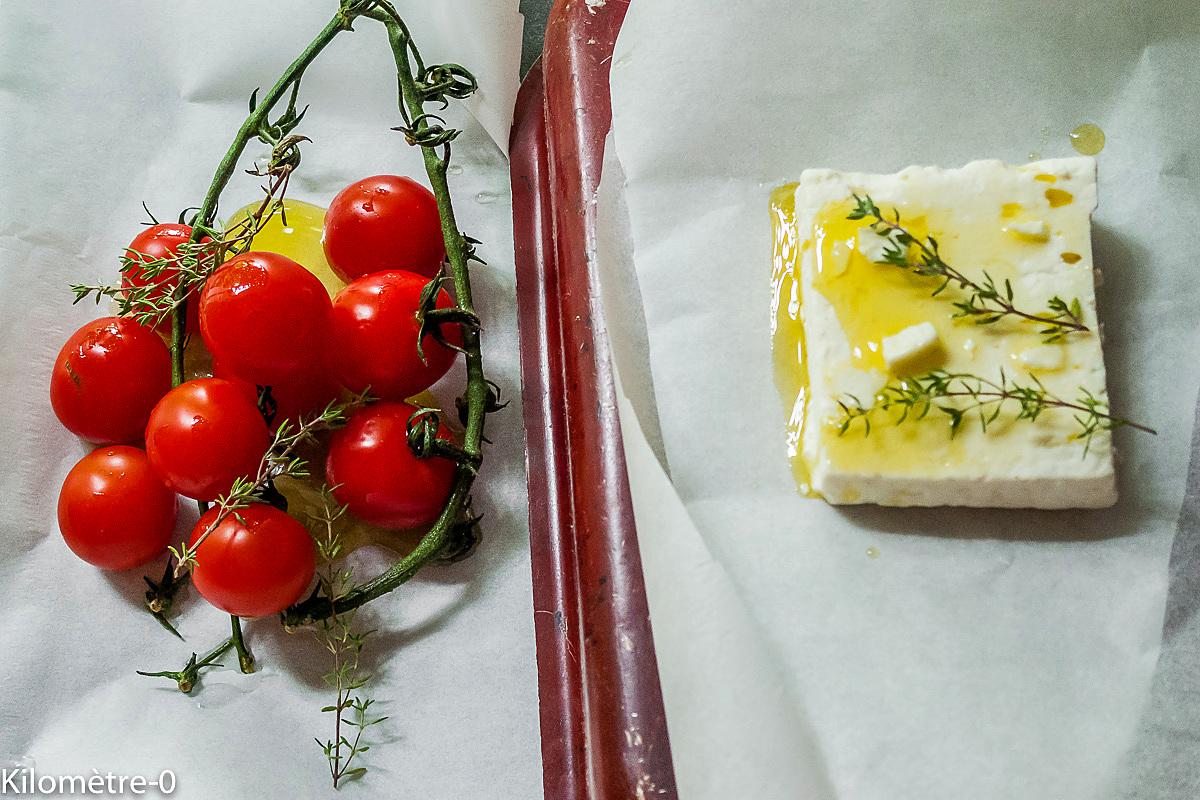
[454,532]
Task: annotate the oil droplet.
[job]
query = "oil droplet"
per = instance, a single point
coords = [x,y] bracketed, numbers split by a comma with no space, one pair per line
[484,198]
[872,552]
[1045,178]
[1071,258]
[1010,210]
[1058,197]
[454,169]
[1087,139]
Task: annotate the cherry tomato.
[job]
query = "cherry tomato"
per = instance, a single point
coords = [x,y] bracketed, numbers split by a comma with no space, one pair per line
[375,336]
[204,435]
[384,222]
[303,394]
[155,242]
[114,511]
[107,377]
[253,566]
[377,475]
[263,316]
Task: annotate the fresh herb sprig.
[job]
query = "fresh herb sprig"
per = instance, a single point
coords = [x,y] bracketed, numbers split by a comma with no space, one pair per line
[986,302]
[155,287]
[279,461]
[960,395]
[352,708]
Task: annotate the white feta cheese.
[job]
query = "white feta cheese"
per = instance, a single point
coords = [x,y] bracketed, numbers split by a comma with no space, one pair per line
[862,316]
[912,345]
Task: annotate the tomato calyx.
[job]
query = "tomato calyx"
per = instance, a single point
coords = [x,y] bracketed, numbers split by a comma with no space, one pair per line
[271,495]
[423,428]
[431,318]
[187,678]
[491,404]
[464,536]
[160,595]
[267,405]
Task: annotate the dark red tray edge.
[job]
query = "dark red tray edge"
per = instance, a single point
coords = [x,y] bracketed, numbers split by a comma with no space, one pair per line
[604,731]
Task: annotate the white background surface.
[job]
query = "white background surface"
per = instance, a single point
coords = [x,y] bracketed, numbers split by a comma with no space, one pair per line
[102,106]
[982,654]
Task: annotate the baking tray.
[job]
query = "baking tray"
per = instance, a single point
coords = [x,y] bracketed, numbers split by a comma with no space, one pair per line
[604,733]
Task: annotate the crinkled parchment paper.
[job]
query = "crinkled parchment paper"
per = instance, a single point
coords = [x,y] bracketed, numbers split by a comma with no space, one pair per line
[982,654]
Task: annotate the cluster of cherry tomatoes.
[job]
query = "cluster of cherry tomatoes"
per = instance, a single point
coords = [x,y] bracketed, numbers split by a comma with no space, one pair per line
[268,322]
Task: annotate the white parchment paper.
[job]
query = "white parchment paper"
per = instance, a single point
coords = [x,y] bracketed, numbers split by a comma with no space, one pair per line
[982,654]
[102,106]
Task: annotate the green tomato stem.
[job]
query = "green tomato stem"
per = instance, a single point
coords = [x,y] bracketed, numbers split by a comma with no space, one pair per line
[245,657]
[187,677]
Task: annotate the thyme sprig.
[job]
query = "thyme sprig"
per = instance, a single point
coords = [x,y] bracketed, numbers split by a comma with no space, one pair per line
[352,708]
[987,302]
[960,395]
[279,461]
[153,288]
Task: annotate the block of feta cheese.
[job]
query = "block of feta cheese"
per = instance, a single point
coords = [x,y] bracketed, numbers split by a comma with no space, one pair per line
[866,324]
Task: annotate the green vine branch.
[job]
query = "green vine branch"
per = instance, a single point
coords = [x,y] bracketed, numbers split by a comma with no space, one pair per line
[166,285]
[420,84]
[256,125]
[986,301]
[456,531]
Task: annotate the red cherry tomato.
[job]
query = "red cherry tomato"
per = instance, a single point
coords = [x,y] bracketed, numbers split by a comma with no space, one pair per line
[204,435]
[254,566]
[263,316]
[383,222]
[107,377]
[375,336]
[302,395]
[155,242]
[113,511]
[377,475]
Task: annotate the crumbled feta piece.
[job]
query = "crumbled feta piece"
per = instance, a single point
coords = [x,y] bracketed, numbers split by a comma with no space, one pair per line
[873,246]
[910,346]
